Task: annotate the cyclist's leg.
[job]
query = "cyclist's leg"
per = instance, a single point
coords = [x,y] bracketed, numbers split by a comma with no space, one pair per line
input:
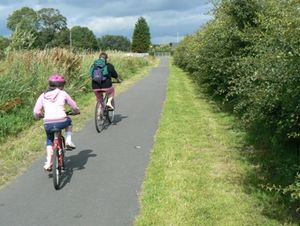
[99,95]
[68,128]
[67,125]
[49,150]
[111,93]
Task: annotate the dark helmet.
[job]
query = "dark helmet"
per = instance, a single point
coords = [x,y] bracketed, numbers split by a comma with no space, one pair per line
[56,80]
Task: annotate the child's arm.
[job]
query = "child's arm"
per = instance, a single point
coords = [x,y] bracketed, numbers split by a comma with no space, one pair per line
[38,108]
[72,104]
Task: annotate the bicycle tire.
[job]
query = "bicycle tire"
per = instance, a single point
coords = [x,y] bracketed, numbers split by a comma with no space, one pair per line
[99,117]
[111,112]
[56,171]
[63,148]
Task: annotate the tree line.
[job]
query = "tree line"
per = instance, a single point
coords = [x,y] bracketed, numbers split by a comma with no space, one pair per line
[47,28]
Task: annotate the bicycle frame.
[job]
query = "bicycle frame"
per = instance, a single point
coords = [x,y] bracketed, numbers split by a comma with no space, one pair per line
[57,146]
[103,99]
[58,158]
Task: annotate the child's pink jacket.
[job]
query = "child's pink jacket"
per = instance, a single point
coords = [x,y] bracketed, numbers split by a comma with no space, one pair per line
[53,102]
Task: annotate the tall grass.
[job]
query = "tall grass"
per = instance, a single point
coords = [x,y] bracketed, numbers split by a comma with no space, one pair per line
[23,77]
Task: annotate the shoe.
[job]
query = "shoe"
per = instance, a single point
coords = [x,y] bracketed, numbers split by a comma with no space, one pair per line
[47,167]
[70,145]
[109,106]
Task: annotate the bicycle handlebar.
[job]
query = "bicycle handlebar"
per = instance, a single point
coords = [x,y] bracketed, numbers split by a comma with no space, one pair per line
[118,80]
[71,113]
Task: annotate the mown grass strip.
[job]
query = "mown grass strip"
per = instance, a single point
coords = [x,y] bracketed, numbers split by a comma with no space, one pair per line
[197,174]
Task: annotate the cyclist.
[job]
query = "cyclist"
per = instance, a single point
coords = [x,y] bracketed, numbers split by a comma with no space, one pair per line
[50,106]
[106,85]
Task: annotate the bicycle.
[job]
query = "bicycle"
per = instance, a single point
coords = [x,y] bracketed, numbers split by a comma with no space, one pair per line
[103,114]
[58,157]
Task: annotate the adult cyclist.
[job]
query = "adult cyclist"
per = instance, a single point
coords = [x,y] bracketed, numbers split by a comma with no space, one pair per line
[106,84]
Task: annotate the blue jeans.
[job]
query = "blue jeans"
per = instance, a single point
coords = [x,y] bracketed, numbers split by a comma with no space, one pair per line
[55,125]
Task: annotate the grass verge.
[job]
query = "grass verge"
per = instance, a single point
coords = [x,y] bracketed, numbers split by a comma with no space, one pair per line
[198,174]
[18,152]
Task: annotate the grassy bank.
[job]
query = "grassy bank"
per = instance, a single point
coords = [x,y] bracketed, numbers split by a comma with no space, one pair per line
[200,172]
[17,153]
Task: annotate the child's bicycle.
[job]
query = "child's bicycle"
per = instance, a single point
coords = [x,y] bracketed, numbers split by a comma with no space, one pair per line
[58,157]
[103,114]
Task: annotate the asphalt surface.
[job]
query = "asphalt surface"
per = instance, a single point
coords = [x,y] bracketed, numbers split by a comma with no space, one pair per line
[104,173]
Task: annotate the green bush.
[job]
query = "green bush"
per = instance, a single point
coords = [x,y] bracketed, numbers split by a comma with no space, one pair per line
[249,57]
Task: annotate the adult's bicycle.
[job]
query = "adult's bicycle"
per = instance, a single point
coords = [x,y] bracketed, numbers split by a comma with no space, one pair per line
[103,114]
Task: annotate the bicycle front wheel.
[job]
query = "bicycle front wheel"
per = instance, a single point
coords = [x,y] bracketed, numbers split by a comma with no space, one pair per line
[56,169]
[99,117]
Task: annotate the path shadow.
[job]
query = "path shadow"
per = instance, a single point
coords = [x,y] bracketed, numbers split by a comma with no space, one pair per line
[118,118]
[74,162]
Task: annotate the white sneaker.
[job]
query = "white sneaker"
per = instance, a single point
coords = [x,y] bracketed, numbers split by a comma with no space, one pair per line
[70,145]
[110,106]
[47,166]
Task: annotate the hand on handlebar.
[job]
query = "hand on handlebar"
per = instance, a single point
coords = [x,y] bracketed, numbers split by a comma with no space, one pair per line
[39,116]
[72,112]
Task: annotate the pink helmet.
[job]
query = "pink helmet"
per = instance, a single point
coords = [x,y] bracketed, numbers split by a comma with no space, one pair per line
[56,80]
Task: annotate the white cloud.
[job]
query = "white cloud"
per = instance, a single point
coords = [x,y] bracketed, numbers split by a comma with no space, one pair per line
[109,24]
[118,17]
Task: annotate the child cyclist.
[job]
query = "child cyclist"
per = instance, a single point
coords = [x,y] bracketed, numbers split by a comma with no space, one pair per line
[50,106]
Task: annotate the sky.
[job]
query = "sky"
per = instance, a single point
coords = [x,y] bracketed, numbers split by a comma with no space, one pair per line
[168,20]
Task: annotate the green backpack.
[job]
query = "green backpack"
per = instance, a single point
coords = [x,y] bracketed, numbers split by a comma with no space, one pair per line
[98,71]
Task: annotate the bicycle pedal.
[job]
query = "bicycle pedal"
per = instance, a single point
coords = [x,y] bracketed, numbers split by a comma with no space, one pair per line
[69,149]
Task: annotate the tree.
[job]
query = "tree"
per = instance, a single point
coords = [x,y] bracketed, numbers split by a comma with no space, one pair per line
[114,42]
[51,19]
[43,26]
[141,36]
[25,18]
[83,38]
[61,39]
[50,23]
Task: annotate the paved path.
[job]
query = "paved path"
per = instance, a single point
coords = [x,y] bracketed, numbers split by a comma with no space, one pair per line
[105,172]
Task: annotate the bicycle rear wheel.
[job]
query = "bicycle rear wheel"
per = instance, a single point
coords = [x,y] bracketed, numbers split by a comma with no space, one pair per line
[99,117]
[111,112]
[56,169]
